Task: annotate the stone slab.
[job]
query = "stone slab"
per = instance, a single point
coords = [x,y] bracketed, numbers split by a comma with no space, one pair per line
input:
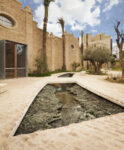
[105,133]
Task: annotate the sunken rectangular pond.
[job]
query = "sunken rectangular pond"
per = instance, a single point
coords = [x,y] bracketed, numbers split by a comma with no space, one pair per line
[59,105]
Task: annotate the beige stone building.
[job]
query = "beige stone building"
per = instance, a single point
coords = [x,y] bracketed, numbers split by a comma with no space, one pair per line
[97,41]
[21,42]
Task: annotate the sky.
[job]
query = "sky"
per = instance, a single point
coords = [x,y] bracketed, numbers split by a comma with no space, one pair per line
[90,16]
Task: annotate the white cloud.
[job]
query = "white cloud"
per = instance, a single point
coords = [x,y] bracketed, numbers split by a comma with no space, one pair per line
[37,1]
[100,1]
[114,44]
[110,4]
[78,27]
[94,31]
[76,13]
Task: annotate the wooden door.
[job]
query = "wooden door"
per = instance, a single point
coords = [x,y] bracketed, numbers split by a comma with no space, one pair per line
[15,60]
[10,60]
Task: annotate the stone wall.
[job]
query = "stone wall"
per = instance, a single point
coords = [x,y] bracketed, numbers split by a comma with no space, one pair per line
[72,50]
[23,28]
[26,32]
[54,53]
[13,9]
[98,40]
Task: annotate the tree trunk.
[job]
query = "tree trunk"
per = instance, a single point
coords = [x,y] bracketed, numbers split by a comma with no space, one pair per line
[45,40]
[121,56]
[123,73]
[99,66]
[82,61]
[64,65]
[87,65]
[122,66]
[95,66]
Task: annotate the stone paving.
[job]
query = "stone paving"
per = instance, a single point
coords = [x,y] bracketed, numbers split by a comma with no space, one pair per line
[105,133]
[2,87]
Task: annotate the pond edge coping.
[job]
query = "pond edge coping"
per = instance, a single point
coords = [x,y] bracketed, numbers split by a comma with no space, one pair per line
[76,81]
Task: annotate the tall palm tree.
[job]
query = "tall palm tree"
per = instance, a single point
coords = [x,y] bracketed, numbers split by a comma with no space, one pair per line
[62,23]
[46,10]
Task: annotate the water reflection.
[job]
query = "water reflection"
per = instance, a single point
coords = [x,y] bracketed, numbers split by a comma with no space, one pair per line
[70,112]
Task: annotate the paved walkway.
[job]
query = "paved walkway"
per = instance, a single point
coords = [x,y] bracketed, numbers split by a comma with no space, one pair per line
[105,133]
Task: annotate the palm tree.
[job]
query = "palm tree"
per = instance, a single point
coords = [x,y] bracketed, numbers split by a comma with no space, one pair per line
[46,9]
[62,23]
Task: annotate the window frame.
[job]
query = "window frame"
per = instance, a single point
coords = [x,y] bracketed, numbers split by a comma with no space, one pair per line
[8,18]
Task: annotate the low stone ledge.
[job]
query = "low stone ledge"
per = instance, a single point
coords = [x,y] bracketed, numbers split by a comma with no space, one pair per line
[3,87]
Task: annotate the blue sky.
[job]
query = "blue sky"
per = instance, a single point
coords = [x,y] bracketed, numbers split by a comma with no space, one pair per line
[91,16]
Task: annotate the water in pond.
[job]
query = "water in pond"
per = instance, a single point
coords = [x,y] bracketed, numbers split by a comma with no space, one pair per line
[62,104]
[67,75]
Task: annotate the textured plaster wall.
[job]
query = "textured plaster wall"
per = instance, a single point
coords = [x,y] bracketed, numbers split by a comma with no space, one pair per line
[98,40]
[13,8]
[56,53]
[26,32]
[72,50]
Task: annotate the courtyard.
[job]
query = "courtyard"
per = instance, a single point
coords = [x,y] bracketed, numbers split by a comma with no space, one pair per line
[106,132]
[61,75]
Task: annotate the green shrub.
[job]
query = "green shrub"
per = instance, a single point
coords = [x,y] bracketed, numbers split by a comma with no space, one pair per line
[97,56]
[75,65]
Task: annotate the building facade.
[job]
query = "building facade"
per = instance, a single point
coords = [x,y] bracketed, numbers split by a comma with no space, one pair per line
[97,41]
[21,43]
[17,30]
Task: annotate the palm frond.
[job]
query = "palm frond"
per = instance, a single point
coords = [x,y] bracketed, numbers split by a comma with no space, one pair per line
[62,23]
[47,2]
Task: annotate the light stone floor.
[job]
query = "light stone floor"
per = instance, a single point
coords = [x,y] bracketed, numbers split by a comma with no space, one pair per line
[106,133]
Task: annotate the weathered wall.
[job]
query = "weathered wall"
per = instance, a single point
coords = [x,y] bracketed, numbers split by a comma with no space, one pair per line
[55,54]
[37,46]
[23,30]
[13,9]
[26,32]
[72,50]
[98,40]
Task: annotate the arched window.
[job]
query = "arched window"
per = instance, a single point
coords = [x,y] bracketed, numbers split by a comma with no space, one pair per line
[6,21]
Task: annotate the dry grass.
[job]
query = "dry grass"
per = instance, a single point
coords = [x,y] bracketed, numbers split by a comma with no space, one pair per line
[115,79]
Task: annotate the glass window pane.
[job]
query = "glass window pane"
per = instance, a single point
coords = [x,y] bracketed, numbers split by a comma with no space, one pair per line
[21,56]
[1,18]
[10,55]
[9,73]
[21,73]
[6,21]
